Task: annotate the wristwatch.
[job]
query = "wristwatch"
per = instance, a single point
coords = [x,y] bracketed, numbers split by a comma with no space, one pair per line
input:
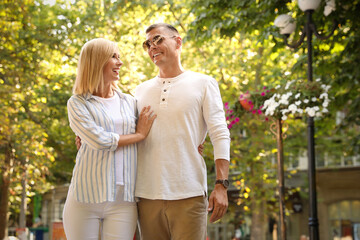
[224,182]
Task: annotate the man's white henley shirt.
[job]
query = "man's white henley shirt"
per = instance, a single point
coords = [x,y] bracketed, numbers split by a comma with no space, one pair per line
[187,107]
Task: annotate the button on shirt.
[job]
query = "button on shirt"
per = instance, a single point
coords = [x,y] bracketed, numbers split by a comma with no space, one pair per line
[187,107]
[94,174]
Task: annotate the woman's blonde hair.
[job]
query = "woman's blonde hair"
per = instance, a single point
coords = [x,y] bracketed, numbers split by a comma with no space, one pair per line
[93,57]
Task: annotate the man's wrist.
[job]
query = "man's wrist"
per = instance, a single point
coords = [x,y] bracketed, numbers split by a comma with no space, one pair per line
[222,182]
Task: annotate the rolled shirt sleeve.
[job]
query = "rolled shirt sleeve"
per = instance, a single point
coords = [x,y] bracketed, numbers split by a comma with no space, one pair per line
[84,124]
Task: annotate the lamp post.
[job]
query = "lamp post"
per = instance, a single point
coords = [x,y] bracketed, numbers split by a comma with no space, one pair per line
[287,25]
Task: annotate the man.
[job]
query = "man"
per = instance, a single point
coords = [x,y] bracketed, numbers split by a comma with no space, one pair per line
[171,179]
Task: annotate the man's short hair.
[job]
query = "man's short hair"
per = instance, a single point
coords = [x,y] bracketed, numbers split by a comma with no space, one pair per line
[164,25]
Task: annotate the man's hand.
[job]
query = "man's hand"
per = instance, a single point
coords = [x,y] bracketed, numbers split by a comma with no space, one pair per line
[218,202]
[201,148]
[78,142]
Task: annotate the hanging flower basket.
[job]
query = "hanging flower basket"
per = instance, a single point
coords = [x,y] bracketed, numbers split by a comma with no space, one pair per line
[296,98]
[245,101]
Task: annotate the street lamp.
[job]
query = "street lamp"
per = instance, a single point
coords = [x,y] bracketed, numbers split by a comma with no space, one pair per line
[287,25]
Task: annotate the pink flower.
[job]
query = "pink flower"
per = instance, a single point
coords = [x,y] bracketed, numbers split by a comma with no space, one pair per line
[266,119]
[237,119]
[262,94]
[259,111]
[226,105]
[253,111]
[227,118]
[264,87]
[229,126]
[250,102]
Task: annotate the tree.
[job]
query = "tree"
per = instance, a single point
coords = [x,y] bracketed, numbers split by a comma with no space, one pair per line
[27,45]
[233,41]
[253,20]
[333,59]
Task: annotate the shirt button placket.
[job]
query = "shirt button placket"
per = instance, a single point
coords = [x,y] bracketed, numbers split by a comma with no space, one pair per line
[164,94]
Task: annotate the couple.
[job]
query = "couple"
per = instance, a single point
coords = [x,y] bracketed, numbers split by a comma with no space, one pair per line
[156,161]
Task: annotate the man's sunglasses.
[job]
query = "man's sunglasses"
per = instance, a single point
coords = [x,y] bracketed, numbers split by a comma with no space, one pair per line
[157,40]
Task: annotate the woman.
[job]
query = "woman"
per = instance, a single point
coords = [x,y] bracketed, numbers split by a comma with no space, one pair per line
[101,199]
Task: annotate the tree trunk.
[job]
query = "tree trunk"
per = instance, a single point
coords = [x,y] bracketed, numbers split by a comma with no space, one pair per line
[4,191]
[259,66]
[23,205]
[258,231]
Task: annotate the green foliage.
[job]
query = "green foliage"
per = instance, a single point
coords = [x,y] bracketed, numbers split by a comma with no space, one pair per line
[233,41]
[262,60]
[231,17]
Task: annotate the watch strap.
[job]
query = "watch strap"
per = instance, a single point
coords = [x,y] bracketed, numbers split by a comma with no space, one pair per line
[223,182]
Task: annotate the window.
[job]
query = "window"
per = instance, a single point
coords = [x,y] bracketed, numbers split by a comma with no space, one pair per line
[61,208]
[344,219]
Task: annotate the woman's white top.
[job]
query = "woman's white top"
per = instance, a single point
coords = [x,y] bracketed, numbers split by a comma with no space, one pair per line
[94,174]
